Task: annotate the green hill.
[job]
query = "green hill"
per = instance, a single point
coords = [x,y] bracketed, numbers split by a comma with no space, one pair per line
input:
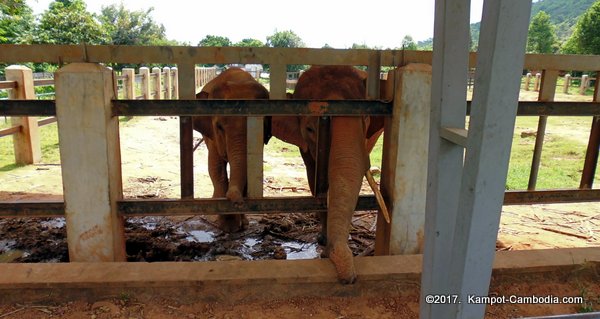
[563,13]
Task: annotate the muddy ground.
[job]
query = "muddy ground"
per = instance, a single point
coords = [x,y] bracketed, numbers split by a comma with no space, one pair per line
[150,159]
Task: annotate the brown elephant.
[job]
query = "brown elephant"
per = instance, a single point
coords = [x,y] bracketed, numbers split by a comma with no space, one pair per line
[225,138]
[352,138]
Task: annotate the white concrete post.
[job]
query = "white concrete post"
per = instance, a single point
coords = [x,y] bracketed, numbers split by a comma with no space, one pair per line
[527,81]
[566,83]
[167,82]
[404,178]
[91,162]
[584,84]
[175,83]
[157,83]
[26,142]
[145,73]
[536,83]
[129,84]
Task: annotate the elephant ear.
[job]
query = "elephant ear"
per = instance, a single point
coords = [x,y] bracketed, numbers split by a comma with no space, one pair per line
[203,124]
[287,129]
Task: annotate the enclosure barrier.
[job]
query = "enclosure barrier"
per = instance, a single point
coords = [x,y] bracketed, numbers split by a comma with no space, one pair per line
[83,71]
[158,84]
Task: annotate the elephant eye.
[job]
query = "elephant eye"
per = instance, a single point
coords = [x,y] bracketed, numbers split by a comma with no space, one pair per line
[310,129]
[220,127]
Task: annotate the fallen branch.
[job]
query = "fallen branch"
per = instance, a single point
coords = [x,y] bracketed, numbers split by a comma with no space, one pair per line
[11,313]
[565,233]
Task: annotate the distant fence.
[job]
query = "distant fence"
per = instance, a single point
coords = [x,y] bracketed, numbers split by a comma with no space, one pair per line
[147,84]
[585,82]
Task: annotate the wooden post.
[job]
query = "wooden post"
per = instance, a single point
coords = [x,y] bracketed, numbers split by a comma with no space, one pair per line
[527,81]
[145,73]
[175,83]
[157,83]
[566,83]
[91,162]
[404,173]
[167,82]
[26,142]
[593,149]
[547,93]
[536,83]
[129,84]
[187,91]
[583,86]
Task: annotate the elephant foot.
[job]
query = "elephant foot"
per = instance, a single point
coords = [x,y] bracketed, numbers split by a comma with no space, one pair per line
[235,196]
[342,259]
[233,223]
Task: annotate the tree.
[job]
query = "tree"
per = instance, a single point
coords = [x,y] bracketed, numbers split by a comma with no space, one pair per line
[585,39]
[214,41]
[126,27]
[68,22]
[285,39]
[541,37]
[359,46]
[250,43]
[16,22]
[408,43]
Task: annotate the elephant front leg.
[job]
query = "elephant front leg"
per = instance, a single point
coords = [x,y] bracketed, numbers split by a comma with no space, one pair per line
[217,170]
[347,165]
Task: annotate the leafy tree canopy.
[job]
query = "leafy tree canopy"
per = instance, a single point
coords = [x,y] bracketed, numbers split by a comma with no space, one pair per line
[408,43]
[285,39]
[68,22]
[248,42]
[126,27]
[16,21]
[541,37]
[214,41]
[585,38]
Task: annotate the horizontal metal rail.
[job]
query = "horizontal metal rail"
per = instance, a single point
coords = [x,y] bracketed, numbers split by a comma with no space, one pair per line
[252,107]
[276,107]
[551,196]
[268,205]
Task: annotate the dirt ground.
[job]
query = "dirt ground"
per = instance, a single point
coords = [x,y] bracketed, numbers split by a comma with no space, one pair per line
[150,160]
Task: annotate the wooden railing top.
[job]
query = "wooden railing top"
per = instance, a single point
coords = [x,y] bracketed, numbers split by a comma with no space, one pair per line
[223,55]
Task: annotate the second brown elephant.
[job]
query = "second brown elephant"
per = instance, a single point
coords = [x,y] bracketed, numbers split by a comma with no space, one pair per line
[226,140]
[352,138]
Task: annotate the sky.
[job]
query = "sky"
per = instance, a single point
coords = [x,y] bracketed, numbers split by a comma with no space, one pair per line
[376,23]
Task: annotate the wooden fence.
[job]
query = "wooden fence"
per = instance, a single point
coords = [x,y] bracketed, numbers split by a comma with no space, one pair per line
[585,82]
[83,70]
[145,85]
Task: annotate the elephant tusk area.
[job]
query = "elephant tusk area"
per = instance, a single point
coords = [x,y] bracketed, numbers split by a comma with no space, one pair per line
[378,195]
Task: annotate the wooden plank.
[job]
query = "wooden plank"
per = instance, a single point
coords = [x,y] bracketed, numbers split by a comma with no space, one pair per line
[128,83]
[562,108]
[249,107]
[27,108]
[270,205]
[10,131]
[145,73]
[90,161]
[593,149]
[26,141]
[501,53]
[8,84]
[448,91]
[254,156]
[46,121]
[223,55]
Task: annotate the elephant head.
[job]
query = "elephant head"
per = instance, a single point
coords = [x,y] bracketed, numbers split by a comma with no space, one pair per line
[226,139]
[351,139]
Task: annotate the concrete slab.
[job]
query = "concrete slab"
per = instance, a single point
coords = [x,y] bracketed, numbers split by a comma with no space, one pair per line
[234,281]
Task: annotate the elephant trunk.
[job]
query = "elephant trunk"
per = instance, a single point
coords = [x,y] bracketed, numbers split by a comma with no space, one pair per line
[236,155]
[347,165]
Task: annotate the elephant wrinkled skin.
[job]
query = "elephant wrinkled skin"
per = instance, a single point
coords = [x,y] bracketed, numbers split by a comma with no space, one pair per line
[352,138]
[226,140]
